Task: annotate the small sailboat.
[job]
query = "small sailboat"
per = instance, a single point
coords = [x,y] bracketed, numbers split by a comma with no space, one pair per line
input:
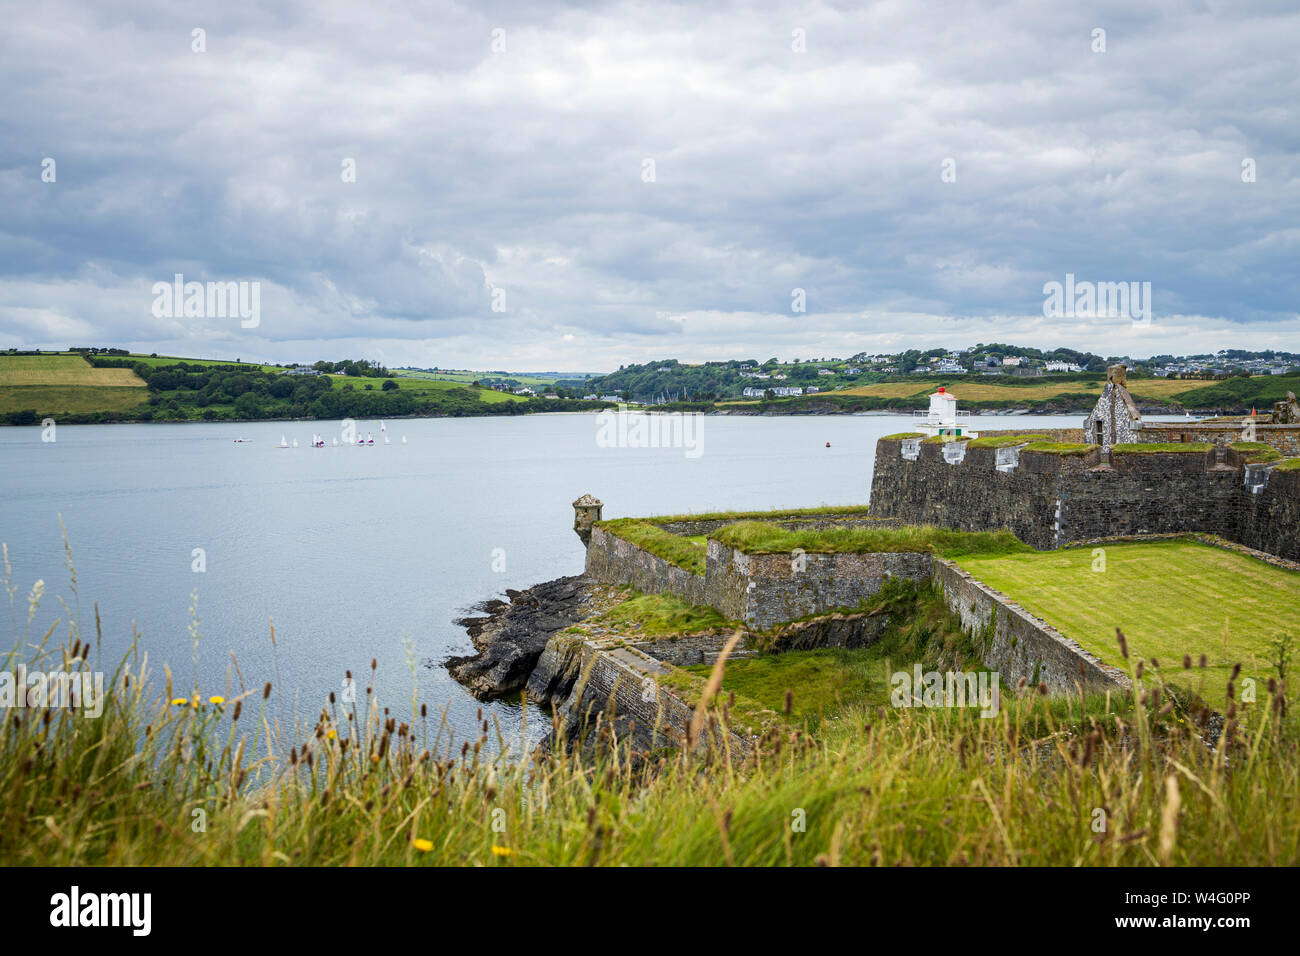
[403,439]
[336,442]
[369,439]
[295,443]
[284,442]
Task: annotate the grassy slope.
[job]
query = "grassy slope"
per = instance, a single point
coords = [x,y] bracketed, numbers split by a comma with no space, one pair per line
[66,370]
[69,399]
[466,378]
[1169,597]
[426,387]
[877,787]
[65,384]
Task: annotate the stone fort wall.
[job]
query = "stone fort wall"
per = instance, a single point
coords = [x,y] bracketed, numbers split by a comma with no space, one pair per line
[1050,499]
[764,590]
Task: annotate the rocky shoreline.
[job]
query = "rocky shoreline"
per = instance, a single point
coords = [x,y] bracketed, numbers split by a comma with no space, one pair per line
[509,636]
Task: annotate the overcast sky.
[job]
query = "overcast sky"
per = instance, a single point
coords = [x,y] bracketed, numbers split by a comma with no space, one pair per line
[794,146]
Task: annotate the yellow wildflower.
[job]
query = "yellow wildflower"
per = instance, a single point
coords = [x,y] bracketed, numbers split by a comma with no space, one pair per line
[421,844]
[501,851]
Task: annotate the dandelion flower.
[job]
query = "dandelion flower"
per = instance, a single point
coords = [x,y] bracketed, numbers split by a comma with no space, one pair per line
[218,699]
[421,844]
[179,702]
[333,734]
[501,851]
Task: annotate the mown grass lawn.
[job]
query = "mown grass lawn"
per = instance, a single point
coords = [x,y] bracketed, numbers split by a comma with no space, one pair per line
[1169,597]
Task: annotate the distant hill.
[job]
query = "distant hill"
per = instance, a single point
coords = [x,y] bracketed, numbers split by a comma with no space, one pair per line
[75,387]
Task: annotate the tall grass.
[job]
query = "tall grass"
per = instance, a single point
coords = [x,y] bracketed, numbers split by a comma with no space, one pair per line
[169,780]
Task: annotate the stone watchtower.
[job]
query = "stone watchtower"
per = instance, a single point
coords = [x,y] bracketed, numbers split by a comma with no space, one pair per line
[1115,419]
[586,512]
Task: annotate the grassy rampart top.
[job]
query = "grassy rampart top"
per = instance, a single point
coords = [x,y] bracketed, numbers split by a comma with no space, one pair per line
[754,537]
[1256,451]
[775,514]
[686,553]
[1060,448]
[1002,441]
[1146,448]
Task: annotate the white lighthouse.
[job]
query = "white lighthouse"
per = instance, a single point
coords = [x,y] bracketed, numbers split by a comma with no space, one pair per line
[942,417]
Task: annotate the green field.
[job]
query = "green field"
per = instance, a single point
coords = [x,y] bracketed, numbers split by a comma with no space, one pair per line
[1169,597]
[157,360]
[467,378]
[67,370]
[68,399]
[65,385]
[427,386]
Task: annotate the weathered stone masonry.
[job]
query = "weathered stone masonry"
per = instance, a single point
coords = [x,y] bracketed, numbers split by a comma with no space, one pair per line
[612,560]
[1049,499]
[765,589]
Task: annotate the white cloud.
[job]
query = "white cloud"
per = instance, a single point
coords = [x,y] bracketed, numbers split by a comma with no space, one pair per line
[523,170]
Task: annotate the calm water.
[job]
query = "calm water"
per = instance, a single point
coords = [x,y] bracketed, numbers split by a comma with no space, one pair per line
[369,552]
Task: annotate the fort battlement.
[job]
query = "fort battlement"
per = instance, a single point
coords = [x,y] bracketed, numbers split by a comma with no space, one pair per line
[1054,494]
[820,592]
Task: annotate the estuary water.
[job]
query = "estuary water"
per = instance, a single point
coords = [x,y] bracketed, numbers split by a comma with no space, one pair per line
[372,551]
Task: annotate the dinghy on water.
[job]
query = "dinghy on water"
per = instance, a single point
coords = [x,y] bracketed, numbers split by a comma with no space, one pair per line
[284,442]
